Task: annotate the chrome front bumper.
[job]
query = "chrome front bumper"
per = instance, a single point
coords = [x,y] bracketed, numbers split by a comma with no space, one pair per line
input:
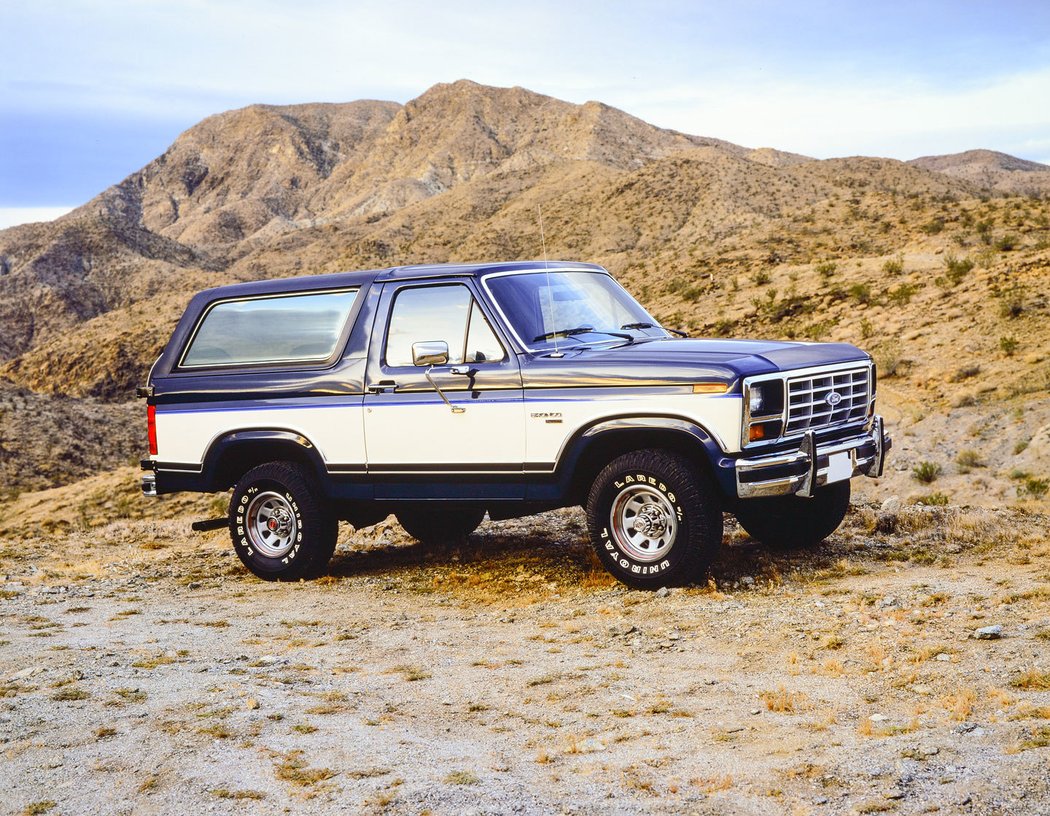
[801,472]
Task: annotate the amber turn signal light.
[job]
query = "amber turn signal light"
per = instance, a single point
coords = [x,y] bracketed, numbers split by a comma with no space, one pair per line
[756,432]
[710,388]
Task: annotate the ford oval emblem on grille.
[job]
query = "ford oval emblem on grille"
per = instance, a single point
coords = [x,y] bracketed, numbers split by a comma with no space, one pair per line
[833,399]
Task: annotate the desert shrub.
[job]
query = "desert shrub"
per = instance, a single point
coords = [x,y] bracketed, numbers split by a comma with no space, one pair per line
[926,472]
[1020,447]
[902,295]
[894,266]
[984,230]
[1006,243]
[866,328]
[1008,345]
[933,500]
[1011,302]
[826,269]
[967,459]
[723,328]
[934,226]
[957,268]
[1036,488]
[965,372]
[861,293]
[889,360]
[761,277]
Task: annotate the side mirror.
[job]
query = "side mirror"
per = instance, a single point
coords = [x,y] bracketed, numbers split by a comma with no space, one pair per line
[430,353]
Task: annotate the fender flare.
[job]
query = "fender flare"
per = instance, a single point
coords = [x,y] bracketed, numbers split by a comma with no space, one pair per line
[576,446]
[228,442]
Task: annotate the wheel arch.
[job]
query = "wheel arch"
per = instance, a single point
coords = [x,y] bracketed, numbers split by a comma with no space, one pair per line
[598,444]
[232,455]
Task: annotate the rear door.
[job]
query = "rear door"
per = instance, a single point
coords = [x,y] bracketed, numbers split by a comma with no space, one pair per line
[412,437]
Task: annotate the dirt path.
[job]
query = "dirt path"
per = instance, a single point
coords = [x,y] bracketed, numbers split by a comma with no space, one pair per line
[511,677]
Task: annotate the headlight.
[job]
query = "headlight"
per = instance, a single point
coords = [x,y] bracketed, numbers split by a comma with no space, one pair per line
[765,405]
[765,398]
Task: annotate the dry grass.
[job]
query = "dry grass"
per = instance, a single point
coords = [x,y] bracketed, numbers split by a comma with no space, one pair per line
[238,795]
[783,701]
[960,704]
[1032,680]
[292,767]
[713,784]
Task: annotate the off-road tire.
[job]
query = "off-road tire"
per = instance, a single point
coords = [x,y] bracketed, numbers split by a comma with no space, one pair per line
[792,522]
[439,524]
[679,507]
[304,533]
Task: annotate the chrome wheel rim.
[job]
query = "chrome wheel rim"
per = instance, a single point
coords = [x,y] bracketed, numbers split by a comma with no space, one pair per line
[644,523]
[271,524]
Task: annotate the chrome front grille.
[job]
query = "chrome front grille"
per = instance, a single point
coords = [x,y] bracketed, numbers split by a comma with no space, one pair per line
[812,406]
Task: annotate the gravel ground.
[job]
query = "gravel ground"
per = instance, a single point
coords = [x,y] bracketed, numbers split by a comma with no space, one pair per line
[142,670]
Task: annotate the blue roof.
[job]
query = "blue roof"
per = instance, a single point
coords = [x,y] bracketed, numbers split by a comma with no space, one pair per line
[478,269]
[339,280]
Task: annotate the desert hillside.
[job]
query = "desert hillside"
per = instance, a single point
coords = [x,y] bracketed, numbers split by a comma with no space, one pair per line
[939,266]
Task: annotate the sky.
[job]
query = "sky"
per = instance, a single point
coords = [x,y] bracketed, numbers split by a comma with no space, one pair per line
[92,90]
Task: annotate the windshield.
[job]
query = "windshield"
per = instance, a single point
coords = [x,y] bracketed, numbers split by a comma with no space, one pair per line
[576,308]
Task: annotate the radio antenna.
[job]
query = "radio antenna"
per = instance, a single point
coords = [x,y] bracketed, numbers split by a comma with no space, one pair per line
[547,268]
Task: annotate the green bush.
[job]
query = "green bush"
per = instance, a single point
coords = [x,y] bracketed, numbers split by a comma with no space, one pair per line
[957,268]
[902,295]
[861,293]
[933,500]
[894,266]
[1036,488]
[926,472]
[1011,302]
[826,269]
[1006,243]
[1008,345]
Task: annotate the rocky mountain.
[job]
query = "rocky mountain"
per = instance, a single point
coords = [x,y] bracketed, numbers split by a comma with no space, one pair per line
[991,170]
[940,265]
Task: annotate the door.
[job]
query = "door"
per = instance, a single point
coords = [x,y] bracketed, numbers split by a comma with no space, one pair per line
[419,446]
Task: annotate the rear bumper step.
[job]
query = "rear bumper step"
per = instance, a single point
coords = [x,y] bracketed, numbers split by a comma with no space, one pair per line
[205,525]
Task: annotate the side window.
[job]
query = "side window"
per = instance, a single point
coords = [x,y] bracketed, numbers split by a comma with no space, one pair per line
[448,313]
[264,330]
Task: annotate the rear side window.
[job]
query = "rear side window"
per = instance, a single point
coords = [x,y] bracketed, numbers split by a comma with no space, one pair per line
[280,329]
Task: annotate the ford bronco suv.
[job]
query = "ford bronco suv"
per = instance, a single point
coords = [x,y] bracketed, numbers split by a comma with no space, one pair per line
[439,393]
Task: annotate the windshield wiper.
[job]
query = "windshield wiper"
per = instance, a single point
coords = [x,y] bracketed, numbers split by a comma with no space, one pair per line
[652,326]
[580,330]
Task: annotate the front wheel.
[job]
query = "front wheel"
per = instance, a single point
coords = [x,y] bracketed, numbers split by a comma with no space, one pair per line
[281,527]
[655,519]
[793,522]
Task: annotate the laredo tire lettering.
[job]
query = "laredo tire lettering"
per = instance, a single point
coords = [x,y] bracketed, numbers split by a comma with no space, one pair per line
[315,525]
[689,498]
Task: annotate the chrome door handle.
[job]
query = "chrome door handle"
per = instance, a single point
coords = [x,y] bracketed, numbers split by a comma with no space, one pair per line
[382,387]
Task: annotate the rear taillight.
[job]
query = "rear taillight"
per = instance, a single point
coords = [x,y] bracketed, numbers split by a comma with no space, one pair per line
[151,424]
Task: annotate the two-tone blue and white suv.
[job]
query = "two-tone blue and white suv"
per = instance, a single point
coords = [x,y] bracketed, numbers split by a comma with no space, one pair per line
[440,393]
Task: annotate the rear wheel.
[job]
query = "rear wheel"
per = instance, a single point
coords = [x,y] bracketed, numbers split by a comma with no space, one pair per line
[281,527]
[655,519]
[794,522]
[440,524]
